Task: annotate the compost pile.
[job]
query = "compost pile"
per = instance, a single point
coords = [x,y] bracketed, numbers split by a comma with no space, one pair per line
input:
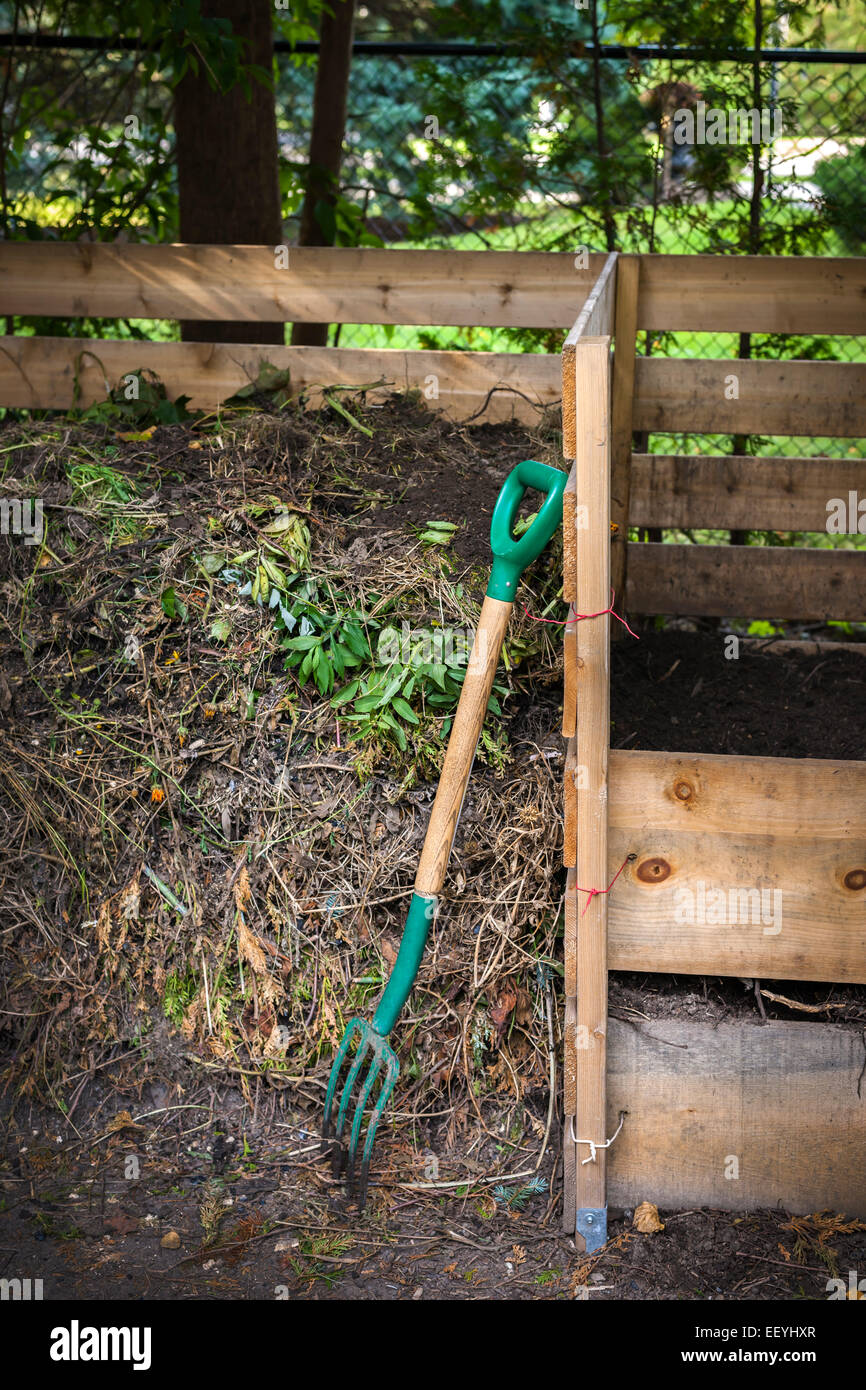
[227,677]
[212,818]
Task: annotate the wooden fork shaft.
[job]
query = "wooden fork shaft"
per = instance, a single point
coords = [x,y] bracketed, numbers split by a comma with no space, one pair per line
[459,756]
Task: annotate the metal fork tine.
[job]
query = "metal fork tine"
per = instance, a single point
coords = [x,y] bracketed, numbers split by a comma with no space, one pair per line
[372,1048]
[354,1026]
[366,1092]
[339,1156]
[392,1069]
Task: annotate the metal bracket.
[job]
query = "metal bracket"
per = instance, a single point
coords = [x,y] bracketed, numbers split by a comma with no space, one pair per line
[592,1225]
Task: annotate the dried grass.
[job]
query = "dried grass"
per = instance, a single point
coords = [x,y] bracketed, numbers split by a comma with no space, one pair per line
[246,878]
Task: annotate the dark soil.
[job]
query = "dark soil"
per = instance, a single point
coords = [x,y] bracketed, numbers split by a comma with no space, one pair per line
[221,1156]
[677,692]
[76,1217]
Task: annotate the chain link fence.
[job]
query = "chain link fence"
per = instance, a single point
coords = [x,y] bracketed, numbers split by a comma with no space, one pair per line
[447,145]
[662,154]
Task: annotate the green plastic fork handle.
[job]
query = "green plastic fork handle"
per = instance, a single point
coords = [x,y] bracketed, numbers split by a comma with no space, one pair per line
[422,910]
[510,556]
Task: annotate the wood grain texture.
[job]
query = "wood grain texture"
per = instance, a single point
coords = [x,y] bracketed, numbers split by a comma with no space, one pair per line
[569,535]
[798,798]
[786,398]
[516,289]
[569,681]
[596,317]
[747,581]
[785,1101]
[569,1101]
[471,709]
[774,494]
[627,289]
[592,462]
[43,373]
[595,320]
[782,840]
[530,289]
[753,294]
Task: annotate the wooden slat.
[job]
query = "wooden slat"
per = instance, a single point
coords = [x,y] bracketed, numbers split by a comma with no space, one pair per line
[627,288]
[757,294]
[570,777]
[596,319]
[569,681]
[41,373]
[788,398]
[747,582]
[367,285]
[516,289]
[702,824]
[569,535]
[737,492]
[784,1102]
[592,461]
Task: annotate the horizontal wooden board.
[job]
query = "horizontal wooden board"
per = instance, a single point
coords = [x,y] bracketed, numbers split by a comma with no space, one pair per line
[746,581]
[42,372]
[815,798]
[783,1106]
[786,398]
[753,294]
[516,289]
[703,823]
[369,285]
[700,825]
[737,492]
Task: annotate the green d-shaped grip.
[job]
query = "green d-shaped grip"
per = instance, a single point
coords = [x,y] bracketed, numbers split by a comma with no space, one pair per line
[510,556]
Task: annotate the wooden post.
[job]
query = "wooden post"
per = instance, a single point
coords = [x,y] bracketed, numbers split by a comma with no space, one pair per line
[586,1019]
[628,273]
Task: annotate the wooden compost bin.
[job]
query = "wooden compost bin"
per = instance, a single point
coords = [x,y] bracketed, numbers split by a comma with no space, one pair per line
[787,1100]
[319,285]
[734,1115]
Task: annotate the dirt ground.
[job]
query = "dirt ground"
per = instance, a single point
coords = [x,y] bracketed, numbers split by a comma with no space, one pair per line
[149,1155]
[232,1206]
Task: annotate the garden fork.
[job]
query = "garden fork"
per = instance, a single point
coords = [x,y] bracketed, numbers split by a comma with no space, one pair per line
[510,558]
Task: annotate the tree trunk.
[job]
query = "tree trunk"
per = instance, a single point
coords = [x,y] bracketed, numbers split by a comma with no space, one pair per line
[326,142]
[228,177]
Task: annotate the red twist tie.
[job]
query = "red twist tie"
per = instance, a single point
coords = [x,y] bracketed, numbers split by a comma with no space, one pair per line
[598,892]
[579,617]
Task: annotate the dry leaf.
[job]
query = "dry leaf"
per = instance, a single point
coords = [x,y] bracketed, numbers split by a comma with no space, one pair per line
[500,1014]
[242,890]
[250,948]
[646,1219]
[122,1120]
[103,926]
[121,1223]
[129,899]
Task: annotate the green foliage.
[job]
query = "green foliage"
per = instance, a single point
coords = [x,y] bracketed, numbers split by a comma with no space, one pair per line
[516,1198]
[180,990]
[842,180]
[394,690]
[141,400]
